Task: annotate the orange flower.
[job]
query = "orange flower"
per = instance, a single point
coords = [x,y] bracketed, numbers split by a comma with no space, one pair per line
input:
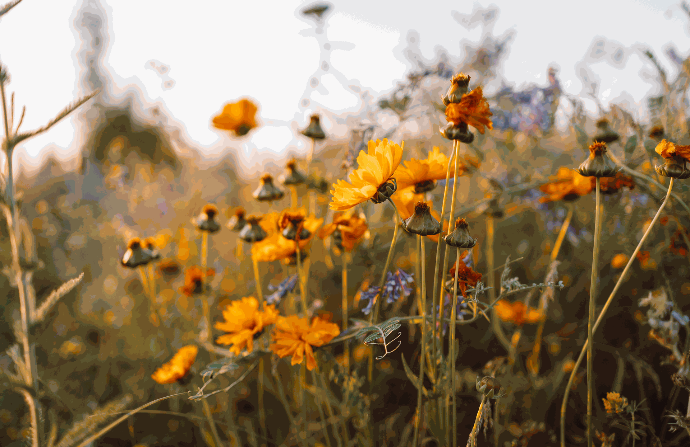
[517,313]
[671,150]
[243,321]
[238,117]
[405,200]
[178,367]
[351,228]
[294,336]
[371,180]
[466,276]
[192,280]
[610,185]
[568,185]
[275,246]
[615,403]
[620,260]
[472,109]
[416,172]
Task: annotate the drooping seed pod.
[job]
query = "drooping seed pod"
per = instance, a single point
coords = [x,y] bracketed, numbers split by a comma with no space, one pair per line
[237,221]
[314,130]
[598,164]
[292,175]
[422,222]
[267,191]
[252,231]
[206,221]
[460,236]
[136,254]
[673,167]
[292,224]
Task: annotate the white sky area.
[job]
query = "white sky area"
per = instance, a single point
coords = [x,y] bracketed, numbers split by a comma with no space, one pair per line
[221,50]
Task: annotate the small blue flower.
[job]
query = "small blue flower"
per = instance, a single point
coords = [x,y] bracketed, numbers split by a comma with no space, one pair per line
[396,285]
[460,311]
[282,289]
[369,295]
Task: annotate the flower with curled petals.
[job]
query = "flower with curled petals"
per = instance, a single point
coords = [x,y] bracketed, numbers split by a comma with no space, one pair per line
[177,367]
[294,336]
[372,179]
[422,174]
[275,247]
[347,230]
[473,109]
[243,321]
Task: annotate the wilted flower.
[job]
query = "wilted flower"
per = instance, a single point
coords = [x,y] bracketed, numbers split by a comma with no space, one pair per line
[292,225]
[611,185]
[252,231]
[615,403]
[347,230]
[466,277]
[396,285]
[238,117]
[314,130]
[473,109]
[422,174]
[568,185]
[372,180]
[295,336]
[292,176]
[206,221]
[193,280]
[675,157]
[178,367]
[244,321]
[267,191]
[237,221]
[280,291]
[517,313]
[136,254]
[422,222]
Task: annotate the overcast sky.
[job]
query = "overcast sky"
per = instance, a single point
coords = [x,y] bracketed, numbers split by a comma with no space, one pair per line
[217,51]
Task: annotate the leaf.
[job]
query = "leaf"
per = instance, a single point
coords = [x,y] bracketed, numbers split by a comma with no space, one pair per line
[631,145]
[410,375]
[208,437]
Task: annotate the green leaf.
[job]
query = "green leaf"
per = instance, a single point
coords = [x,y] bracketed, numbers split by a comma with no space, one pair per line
[410,375]
[631,145]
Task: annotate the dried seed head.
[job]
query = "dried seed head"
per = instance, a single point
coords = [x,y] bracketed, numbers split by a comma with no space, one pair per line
[134,243]
[460,237]
[459,84]
[598,164]
[656,132]
[292,224]
[422,222]
[206,220]
[292,176]
[210,210]
[267,191]
[385,191]
[673,167]
[252,231]
[314,130]
[489,386]
[136,254]
[457,132]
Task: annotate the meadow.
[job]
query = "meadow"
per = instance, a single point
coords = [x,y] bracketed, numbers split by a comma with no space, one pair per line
[488,280]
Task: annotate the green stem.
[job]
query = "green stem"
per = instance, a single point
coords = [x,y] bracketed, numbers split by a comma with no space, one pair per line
[214,430]
[345,310]
[324,424]
[603,311]
[590,320]
[422,313]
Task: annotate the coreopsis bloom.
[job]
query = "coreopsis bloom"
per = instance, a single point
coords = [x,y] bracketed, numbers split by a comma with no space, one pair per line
[238,117]
[243,321]
[675,157]
[276,247]
[347,230]
[177,367]
[568,185]
[193,277]
[615,403]
[372,179]
[294,336]
[466,276]
[422,174]
[136,254]
[517,313]
[473,109]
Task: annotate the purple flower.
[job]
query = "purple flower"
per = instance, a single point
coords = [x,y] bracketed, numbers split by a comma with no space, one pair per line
[369,295]
[396,285]
[282,289]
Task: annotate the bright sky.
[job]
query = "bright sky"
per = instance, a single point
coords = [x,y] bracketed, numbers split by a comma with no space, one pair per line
[218,51]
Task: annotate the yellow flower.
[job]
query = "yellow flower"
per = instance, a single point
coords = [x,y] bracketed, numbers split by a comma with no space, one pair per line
[275,246]
[371,180]
[294,336]
[238,117]
[568,185]
[178,367]
[620,260]
[351,229]
[243,321]
[615,403]
[516,312]
[668,149]
[472,109]
[422,173]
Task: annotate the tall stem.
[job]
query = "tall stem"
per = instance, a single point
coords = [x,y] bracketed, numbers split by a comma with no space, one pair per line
[345,310]
[590,320]
[603,311]
[204,299]
[324,422]
[422,313]
[312,194]
[257,279]
[214,430]
[303,294]
[472,441]
[451,354]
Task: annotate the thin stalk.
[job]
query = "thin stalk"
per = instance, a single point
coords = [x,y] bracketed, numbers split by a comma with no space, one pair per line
[312,194]
[214,430]
[303,398]
[283,399]
[260,396]
[293,196]
[603,311]
[451,354]
[152,281]
[153,317]
[495,321]
[324,424]
[422,313]
[472,441]
[345,310]
[590,320]
[303,294]
[329,408]
[453,153]
[204,298]
[257,279]
[533,360]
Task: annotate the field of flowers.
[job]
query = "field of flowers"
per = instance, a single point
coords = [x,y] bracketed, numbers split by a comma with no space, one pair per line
[489,282]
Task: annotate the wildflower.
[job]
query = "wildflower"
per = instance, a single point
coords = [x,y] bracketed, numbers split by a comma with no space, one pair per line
[598,164]
[193,278]
[620,260]
[615,403]
[252,231]
[675,157]
[460,237]
[370,296]
[372,180]
[295,336]
[314,130]
[568,185]
[178,367]
[292,224]
[422,222]
[466,276]
[136,254]
[517,313]
[292,176]
[605,135]
[405,200]
[473,109]
[237,221]
[422,174]
[606,441]
[276,247]
[267,191]
[279,292]
[396,285]
[347,230]
[206,220]
[611,185]
[243,321]
[458,88]
[238,117]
